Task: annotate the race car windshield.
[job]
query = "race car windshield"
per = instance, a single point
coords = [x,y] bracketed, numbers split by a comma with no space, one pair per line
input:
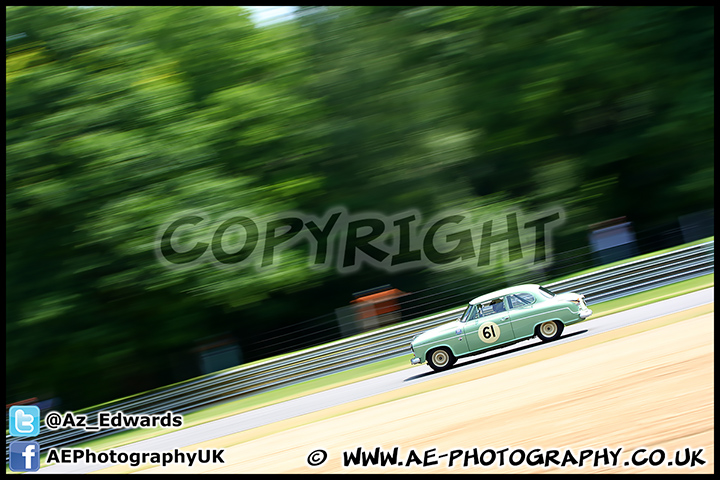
[468,313]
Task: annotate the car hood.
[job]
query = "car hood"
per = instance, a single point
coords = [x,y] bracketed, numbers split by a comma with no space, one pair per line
[442,331]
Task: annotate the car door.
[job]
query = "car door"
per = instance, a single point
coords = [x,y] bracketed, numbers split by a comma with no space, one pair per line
[491,326]
[523,313]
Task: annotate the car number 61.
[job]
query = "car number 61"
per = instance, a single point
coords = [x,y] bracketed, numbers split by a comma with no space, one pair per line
[489,332]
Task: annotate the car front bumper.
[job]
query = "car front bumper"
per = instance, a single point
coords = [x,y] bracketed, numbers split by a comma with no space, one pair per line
[415,361]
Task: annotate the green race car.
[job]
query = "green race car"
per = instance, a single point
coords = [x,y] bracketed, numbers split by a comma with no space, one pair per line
[499,319]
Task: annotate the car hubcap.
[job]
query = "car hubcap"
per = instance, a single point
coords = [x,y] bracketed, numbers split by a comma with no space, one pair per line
[440,358]
[549,329]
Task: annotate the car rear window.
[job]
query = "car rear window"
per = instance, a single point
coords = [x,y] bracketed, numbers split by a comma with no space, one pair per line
[520,300]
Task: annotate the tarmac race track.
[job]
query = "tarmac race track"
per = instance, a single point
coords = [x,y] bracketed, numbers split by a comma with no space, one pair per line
[649,389]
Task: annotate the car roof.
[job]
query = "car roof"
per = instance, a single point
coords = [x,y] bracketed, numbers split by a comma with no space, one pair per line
[505,291]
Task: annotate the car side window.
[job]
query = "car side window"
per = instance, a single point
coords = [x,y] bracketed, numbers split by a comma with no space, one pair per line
[520,300]
[493,306]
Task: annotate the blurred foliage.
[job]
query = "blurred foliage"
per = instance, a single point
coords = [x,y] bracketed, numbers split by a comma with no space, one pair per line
[118,118]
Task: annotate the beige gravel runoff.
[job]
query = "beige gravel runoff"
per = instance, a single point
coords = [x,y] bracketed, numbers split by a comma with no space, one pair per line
[648,389]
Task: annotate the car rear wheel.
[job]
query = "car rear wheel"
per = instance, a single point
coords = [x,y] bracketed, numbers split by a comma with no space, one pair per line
[441,359]
[549,331]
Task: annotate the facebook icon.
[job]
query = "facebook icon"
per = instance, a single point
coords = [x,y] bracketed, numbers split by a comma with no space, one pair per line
[24,421]
[24,456]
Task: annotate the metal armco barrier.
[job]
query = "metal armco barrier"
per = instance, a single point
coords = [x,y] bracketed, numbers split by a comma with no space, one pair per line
[607,284]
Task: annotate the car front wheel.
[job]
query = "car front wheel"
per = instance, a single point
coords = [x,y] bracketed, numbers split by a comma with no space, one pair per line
[549,331]
[441,359]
